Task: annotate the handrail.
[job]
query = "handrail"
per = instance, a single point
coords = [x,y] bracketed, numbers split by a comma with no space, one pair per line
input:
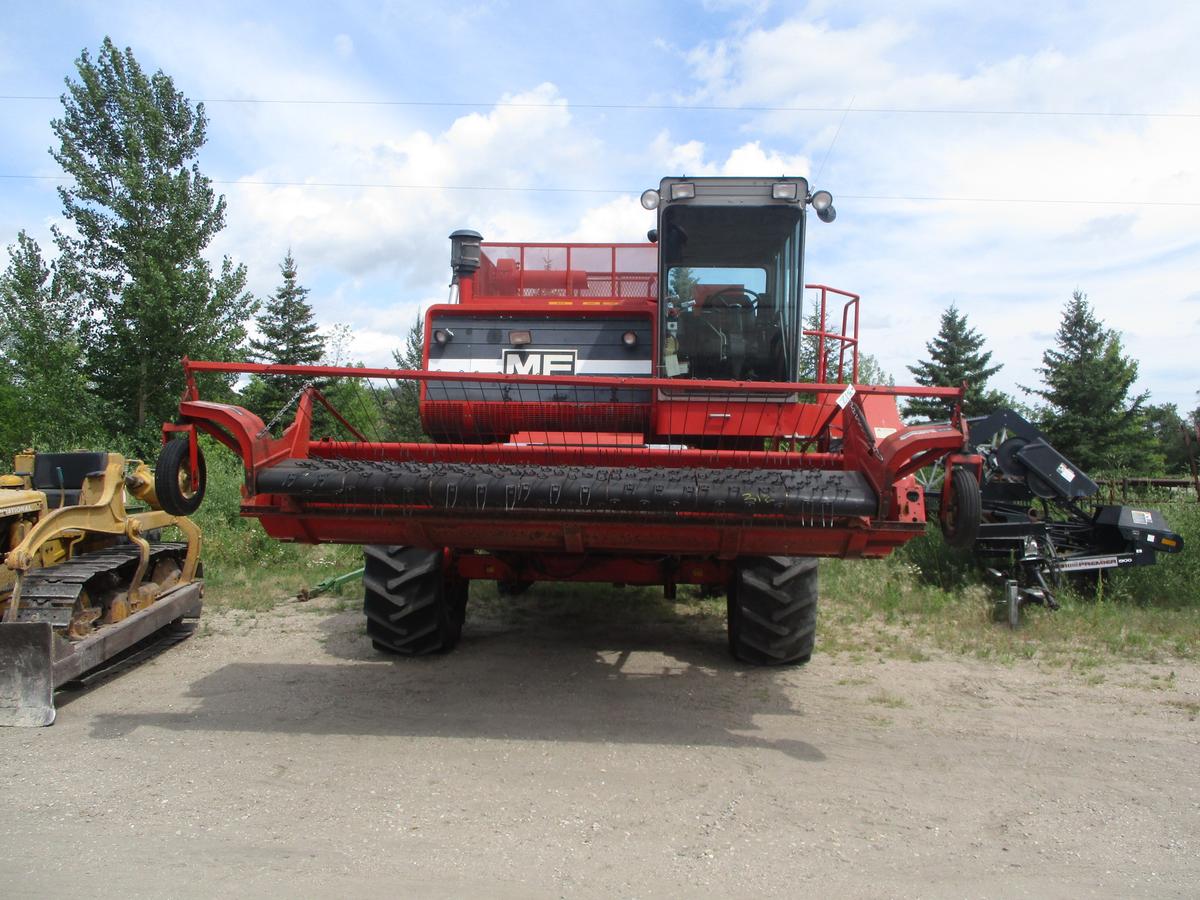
[675,385]
[845,341]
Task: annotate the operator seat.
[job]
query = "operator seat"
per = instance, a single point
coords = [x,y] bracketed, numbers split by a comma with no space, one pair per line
[60,476]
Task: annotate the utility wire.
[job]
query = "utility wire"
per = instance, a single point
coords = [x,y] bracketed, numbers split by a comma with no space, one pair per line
[567,190]
[387,185]
[668,107]
[829,149]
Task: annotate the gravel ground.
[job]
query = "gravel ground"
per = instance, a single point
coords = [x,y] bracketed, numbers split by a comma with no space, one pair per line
[280,756]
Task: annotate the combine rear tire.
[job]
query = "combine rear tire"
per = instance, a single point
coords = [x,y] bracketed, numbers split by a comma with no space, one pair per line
[772,608]
[411,608]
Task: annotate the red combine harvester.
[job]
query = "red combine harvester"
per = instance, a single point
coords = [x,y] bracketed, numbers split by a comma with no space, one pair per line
[624,413]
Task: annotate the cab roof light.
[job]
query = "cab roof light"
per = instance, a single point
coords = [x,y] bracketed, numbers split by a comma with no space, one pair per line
[683,190]
[785,190]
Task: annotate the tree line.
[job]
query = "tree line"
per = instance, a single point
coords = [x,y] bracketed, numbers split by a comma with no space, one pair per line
[93,338]
[91,351]
[1084,404]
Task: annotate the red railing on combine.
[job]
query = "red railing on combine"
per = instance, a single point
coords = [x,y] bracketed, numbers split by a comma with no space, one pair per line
[846,339]
[627,271]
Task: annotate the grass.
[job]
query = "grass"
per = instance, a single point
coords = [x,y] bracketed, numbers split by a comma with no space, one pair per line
[1174,582]
[926,598]
[888,608]
[1189,707]
[245,569]
[888,700]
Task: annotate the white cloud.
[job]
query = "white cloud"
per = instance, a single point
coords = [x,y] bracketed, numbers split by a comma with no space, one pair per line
[374,256]
[401,231]
[622,220]
[1010,266]
[691,158]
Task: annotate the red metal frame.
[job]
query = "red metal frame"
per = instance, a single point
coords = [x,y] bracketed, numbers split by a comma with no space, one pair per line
[546,280]
[846,341]
[887,464]
[682,424]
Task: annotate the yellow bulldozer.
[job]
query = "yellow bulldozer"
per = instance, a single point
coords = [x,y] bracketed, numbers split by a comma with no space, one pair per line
[86,575]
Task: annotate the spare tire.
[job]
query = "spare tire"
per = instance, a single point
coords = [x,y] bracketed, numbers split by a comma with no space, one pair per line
[177,494]
[961,516]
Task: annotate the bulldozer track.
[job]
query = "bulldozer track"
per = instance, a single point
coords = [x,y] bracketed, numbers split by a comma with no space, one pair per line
[49,595]
[135,655]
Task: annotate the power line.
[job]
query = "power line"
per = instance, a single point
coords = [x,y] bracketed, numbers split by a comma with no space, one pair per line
[378,184]
[1027,200]
[670,107]
[1052,201]
[829,149]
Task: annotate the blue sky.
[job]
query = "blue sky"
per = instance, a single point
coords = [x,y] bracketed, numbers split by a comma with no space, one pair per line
[934,175]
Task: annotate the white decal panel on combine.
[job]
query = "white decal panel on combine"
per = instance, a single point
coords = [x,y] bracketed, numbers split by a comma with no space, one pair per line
[538,362]
[496,366]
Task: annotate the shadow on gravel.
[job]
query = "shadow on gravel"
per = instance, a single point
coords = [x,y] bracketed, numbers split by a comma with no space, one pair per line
[652,683]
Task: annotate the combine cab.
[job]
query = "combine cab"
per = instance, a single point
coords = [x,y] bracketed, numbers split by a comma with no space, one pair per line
[626,413]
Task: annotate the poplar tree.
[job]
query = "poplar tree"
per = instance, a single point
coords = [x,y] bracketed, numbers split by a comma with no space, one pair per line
[1168,428]
[956,355]
[43,397]
[142,215]
[869,369]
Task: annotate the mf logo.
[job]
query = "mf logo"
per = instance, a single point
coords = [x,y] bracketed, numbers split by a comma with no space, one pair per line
[538,362]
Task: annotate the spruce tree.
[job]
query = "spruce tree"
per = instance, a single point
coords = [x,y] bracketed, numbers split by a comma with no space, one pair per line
[289,336]
[956,355]
[404,415]
[1089,416]
[143,215]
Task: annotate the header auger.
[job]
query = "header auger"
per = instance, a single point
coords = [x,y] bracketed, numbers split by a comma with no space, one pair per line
[626,413]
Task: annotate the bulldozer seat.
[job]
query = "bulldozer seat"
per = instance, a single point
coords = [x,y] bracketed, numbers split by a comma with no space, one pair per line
[60,476]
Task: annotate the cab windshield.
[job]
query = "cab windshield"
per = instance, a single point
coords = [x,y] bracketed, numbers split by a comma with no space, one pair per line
[731,305]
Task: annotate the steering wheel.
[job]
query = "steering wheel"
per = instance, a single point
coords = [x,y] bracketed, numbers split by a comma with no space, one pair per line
[724,299]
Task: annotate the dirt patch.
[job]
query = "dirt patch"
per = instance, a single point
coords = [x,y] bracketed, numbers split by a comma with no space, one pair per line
[278,754]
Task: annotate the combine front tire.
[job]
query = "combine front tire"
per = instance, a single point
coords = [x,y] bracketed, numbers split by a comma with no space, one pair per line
[772,608]
[411,607]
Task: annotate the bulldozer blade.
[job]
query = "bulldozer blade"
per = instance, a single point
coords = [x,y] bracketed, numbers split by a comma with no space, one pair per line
[26,674]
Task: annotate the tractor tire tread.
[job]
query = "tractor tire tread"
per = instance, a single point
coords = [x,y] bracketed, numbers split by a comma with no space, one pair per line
[772,608]
[410,609]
